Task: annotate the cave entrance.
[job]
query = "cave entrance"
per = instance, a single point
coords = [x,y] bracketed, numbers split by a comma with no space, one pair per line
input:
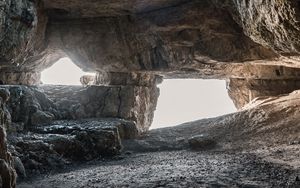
[63,72]
[184,100]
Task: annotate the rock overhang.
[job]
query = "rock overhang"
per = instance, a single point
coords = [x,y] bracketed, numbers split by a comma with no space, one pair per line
[175,39]
[254,45]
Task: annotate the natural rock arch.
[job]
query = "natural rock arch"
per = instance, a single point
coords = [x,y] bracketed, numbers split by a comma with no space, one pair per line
[133,45]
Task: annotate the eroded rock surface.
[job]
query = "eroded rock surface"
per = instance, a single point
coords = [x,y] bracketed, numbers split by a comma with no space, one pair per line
[242,91]
[262,123]
[131,46]
[42,143]
[7,172]
[169,37]
[256,147]
[136,103]
[274,24]
[175,39]
[29,106]
[56,145]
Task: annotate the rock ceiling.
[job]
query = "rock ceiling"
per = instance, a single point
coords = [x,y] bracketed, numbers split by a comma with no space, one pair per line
[174,38]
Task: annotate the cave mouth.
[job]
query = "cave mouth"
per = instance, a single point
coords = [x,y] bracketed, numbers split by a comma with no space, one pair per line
[184,100]
[63,72]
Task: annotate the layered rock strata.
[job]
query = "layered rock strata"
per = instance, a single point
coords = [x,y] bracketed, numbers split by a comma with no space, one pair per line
[63,142]
[242,91]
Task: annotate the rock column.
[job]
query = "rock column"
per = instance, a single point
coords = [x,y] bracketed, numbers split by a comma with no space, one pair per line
[139,93]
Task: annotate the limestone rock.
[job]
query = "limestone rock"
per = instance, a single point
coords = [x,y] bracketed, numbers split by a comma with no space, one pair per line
[118,101]
[123,78]
[165,37]
[28,105]
[87,80]
[242,91]
[128,42]
[274,24]
[7,172]
[132,45]
[22,33]
[51,147]
[20,78]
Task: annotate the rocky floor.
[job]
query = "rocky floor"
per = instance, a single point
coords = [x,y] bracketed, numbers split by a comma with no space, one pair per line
[174,169]
[256,147]
[57,144]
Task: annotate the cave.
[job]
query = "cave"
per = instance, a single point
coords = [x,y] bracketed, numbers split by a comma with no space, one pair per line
[98,133]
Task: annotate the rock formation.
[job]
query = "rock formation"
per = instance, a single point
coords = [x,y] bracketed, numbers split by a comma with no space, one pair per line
[175,39]
[131,45]
[7,172]
[86,80]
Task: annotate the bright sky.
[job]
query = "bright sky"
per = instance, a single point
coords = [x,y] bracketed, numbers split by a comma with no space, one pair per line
[184,100]
[181,100]
[63,72]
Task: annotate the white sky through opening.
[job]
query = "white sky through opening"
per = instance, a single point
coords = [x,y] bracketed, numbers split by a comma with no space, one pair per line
[180,100]
[63,72]
[184,100]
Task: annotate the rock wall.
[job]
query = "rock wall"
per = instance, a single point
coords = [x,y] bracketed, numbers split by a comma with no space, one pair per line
[20,78]
[271,23]
[175,39]
[253,44]
[55,145]
[165,40]
[242,91]
[163,36]
[130,102]
[32,106]
[22,33]
[7,172]
[28,107]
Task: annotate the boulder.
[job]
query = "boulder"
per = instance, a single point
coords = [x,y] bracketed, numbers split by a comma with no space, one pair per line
[41,117]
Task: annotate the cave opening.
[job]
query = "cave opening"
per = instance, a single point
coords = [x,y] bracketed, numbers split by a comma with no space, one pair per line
[63,72]
[185,100]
